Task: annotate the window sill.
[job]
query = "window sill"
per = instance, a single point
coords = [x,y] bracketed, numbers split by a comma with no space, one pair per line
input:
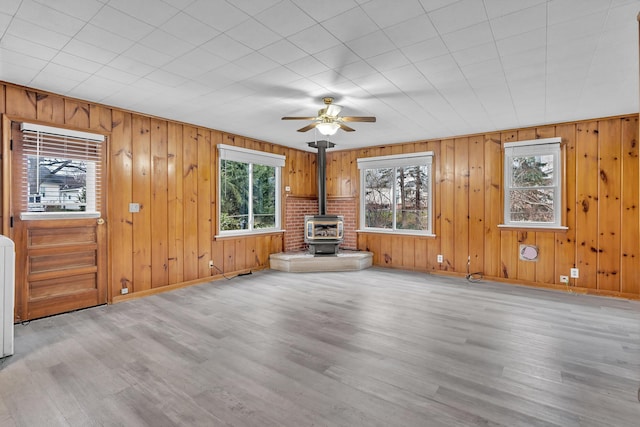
[243,233]
[396,232]
[533,227]
[39,216]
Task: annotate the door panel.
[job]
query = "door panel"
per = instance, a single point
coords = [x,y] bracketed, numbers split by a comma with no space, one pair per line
[61,262]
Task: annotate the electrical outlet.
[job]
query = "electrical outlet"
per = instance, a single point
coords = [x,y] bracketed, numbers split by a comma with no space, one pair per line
[440,259]
[564,279]
[124,291]
[575,273]
[211,264]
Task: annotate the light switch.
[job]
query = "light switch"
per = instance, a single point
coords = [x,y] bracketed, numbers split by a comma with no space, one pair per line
[134,207]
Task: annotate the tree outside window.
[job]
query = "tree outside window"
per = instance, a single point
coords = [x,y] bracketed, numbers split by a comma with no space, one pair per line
[532,183]
[397,193]
[249,190]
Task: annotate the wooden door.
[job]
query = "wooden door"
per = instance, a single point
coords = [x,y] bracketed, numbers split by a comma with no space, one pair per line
[60,258]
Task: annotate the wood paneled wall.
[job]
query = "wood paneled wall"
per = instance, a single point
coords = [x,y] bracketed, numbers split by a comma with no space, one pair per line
[170,169]
[601,198]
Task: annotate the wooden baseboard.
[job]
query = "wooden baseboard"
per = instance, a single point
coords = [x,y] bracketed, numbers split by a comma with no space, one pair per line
[167,288]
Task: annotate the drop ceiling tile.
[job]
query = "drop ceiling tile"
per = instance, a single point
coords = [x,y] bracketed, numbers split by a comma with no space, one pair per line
[524,59]
[274,79]
[424,50]
[63,73]
[473,55]
[388,60]
[49,18]
[164,42]
[83,10]
[283,52]
[461,14]
[37,34]
[130,66]
[194,63]
[307,66]
[105,39]
[226,47]
[189,29]
[350,25]
[150,11]
[116,75]
[29,48]
[385,13]
[522,42]
[89,51]
[76,62]
[431,5]
[57,83]
[5,20]
[372,44]
[328,79]
[575,29]
[571,10]
[412,31]
[496,8]
[468,37]
[220,15]
[253,34]
[252,7]
[19,58]
[147,55]
[95,88]
[256,63]
[10,7]
[356,70]
[285,18]
[323,10]
[519,22]
[337,56]
[231,71]
[408,79]
[314,39]
[440,64]
[120,23]
[166,79]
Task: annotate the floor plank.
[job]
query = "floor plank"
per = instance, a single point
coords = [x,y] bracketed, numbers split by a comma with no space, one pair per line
[369,348]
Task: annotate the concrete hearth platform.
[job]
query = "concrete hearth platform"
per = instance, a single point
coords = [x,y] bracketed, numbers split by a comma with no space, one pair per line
[303,262]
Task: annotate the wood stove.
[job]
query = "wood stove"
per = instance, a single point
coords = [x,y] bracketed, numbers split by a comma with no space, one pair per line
[323,233]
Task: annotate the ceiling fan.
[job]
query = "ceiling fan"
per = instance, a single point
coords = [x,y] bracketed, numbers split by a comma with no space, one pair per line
[328,121]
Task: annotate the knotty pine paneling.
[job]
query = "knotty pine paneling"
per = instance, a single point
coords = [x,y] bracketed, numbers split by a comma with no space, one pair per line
[630,220]
[169,168]
[141,194]
[601,202]
[159,204]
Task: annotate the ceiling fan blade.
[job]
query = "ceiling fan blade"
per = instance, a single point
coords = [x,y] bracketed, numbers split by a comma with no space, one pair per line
[358,119]
[299,118]
[346,128]
[308,127]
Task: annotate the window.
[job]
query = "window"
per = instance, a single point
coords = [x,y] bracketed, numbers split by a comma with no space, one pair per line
[532,187]
[62,171]
[396,193]
[249,190]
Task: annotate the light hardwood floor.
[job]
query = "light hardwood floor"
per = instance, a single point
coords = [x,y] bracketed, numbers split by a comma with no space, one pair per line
[370,348]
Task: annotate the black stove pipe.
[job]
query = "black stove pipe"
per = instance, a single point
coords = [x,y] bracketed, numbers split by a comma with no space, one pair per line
[322,173]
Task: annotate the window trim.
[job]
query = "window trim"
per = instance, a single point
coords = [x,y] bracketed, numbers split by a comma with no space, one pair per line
[251,157]
[97,176]
[395,161]
[543,146]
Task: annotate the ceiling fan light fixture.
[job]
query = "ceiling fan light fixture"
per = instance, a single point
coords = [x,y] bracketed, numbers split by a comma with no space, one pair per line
[328,128]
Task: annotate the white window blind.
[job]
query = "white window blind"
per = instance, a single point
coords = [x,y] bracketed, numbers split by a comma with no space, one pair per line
[62,169]
[245,155]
